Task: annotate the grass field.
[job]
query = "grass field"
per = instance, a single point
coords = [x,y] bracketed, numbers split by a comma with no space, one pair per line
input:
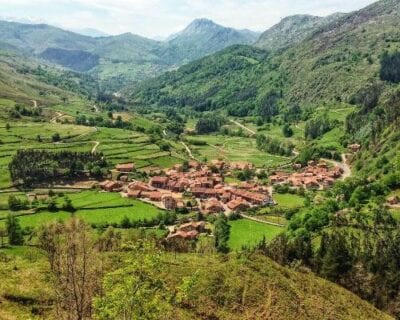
[250,233]
[233,149]
[288,201]
[94,207]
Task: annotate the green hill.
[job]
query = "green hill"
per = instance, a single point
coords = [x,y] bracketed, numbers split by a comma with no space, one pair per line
[228,288]
[332,65]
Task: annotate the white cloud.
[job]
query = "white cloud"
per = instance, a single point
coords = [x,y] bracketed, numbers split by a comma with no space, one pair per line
[162,17]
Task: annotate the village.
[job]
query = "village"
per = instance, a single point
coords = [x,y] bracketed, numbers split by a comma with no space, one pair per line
[196,187]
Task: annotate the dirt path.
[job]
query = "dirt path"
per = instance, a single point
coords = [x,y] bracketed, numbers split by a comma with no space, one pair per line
[96,144]
[243,127]
[56,117]
[261,221]
[188,151]
[343,165]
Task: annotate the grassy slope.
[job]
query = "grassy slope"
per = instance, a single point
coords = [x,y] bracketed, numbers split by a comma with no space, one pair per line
[250,233]
[230,288]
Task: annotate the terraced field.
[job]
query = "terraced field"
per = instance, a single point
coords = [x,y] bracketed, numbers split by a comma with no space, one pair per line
[118,145]
[233,149]
[94,207]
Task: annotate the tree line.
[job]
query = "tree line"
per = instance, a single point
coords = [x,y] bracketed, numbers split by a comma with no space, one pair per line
[34,166]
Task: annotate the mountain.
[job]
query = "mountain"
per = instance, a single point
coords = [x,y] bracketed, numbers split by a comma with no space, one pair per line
[203,37]
[91,32]
[122,59]
[292,30]
[331,65]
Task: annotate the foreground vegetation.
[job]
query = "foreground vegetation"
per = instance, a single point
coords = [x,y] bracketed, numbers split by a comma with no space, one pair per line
[199,286]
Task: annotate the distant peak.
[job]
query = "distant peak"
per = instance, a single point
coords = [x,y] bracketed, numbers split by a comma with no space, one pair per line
[203,21]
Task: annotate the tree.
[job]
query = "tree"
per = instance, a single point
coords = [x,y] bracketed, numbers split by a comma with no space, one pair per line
[52,205]
[14,203]
[222,233]
[14,231]
[269,107]
[68,206]
[8,127]
[287,131]
[75,266]
[390,67]
[136,290]
[56,137]
[3,234]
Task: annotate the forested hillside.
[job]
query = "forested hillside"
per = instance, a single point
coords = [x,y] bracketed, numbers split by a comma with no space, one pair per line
[326,67]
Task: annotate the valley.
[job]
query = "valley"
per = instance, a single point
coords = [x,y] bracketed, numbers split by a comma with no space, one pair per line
[224,173]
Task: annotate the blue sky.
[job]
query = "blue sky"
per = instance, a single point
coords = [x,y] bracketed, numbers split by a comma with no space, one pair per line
[159,18]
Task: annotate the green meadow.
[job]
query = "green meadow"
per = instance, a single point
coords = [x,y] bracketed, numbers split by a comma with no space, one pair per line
[250,233]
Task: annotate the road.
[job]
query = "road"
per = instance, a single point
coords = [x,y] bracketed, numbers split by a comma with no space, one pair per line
[188,151]
[261,221]
[243,127]
[343,165]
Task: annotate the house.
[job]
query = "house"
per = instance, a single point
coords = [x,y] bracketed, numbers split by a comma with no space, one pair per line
[238,204]
[394,200]
[194,165]
[241,166]
[125,167]
[218,164]
[155,196]
[159,182]
[311,183]
[198,226]
[297,166]
[111,186]
[189,235]
[169,202]
[213,206]
[135,194]
[355,147]
[138,185]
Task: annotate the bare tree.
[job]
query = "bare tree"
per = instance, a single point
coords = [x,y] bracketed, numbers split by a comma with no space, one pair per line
[75,265]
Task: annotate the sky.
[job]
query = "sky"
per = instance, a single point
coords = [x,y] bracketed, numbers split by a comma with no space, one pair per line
[160,18]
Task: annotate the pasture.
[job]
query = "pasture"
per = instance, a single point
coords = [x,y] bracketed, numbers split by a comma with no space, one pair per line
[288,201]
[250,233]
[94,208]
[233,149]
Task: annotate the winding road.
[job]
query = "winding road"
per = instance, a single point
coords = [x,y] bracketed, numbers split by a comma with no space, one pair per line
[343,165]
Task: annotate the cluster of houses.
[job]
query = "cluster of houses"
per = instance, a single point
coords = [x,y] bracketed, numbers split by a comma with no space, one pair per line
[314,176]
[187,231]
[204,183]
